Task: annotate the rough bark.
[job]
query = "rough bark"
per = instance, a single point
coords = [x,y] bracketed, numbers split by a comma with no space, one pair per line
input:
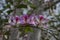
[13,34]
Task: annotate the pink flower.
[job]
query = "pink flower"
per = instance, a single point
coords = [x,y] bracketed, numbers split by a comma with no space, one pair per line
[31,20]
[25,17]
[16,18]
[21,18]
[11,20]
[41,17]
[28,19]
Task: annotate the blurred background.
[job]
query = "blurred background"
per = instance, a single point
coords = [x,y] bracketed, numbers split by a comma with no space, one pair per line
[46,13]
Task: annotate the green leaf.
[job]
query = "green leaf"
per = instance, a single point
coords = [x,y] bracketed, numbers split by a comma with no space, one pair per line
[32,5]
[26,1]
[8,6]
[9,11]
[10,1]
[59,30]
[28,29]
[21,6]
[5,20]
[18,0]
[1,21]
[7,33]
[21,28]
[1,11]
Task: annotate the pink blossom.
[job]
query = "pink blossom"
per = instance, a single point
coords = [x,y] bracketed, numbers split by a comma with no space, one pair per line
[21,18]
[32,20]
[26,19]
[16,18]
[41,17]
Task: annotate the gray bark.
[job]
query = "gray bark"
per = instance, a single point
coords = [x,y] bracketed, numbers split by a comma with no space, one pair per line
[1,37]
[35,35]
[13,34]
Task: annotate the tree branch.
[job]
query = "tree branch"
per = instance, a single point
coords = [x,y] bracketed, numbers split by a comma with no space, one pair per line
[51,5]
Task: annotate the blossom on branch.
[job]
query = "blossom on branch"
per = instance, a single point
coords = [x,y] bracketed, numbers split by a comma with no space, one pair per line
[33,20]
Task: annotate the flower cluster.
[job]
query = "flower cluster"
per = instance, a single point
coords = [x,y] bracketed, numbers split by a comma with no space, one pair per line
[27,19]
